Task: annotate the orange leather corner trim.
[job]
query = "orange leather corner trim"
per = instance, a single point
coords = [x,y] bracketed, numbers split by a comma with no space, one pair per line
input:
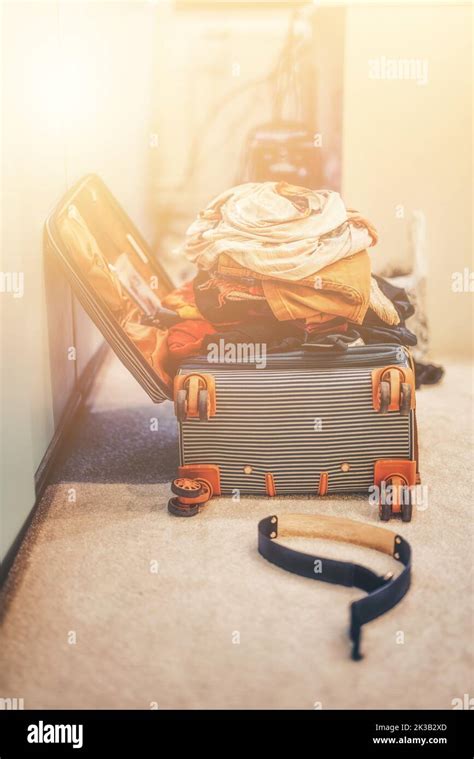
[398,374]
[270,484]
[193,382]
[208,472]
[323,483]
[385,469]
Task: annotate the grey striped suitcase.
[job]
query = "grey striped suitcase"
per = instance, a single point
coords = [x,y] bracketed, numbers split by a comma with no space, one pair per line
[307,423]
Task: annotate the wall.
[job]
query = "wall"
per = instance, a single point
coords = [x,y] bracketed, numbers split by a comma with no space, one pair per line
[210,67]
[206,59]
[408,144]
[76,88]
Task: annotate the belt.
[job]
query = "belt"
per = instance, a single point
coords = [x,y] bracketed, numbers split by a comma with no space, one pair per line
[384,591]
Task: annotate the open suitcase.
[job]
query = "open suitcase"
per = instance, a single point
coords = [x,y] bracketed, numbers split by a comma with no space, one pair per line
[317,423]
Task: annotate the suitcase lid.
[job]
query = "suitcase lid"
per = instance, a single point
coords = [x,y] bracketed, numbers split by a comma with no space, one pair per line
[114,275]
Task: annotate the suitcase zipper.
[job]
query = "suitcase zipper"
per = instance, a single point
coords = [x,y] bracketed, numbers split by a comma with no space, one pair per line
[366,355]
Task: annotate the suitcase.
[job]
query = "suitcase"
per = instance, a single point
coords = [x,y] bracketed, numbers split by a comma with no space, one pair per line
[318,422]
[89,208]
[283,151]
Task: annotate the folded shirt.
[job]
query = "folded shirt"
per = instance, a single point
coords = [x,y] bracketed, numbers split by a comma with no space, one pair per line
[345,289]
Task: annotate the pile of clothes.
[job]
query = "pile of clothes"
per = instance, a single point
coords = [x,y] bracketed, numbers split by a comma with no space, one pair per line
[285,266]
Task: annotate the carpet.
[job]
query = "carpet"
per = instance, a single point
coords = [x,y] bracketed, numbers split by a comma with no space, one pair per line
[112,603]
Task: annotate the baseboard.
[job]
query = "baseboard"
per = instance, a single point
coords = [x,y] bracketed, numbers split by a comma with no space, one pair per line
[50,458]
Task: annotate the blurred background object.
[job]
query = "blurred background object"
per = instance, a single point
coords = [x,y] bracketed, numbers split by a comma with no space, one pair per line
[266,86]
[414,282]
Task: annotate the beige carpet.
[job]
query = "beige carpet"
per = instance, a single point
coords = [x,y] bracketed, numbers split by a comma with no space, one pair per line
[216,626]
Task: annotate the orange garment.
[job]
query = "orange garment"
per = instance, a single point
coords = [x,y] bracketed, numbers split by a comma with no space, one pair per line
[150,341]
[341,289]
[185,338]
[103,282]
[182,301]
[344,288]
[234,290]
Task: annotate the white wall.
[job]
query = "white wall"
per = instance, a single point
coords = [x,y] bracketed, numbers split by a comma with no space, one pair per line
[410,144]
[202,57]
[76,86]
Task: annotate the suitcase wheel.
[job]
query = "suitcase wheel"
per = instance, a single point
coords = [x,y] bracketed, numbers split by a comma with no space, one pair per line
[207,487]
[407,510]
[385,393]
[184,486]
[190,495]
[204,405]
[193,399]
[385,512]
[405,399]
[182,510]
[403,508]
[181,405]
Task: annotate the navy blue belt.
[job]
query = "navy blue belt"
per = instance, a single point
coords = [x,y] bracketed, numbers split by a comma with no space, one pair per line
[384,591]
